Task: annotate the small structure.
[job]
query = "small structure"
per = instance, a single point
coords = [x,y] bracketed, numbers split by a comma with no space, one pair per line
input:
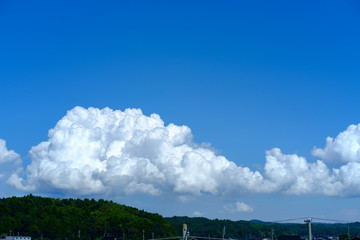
[289,238]
[18,238]
[322,238]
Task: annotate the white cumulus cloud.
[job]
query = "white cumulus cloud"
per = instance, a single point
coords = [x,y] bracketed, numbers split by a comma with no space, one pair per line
[96,151]
[344,148]
[10,162]
[104,151]
[292,174]
[8,156]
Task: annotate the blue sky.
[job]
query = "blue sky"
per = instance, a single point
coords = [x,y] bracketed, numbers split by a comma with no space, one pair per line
[244,76]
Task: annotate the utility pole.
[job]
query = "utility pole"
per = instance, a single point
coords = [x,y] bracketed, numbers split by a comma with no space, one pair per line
[223,233]
[143,234]
[308,221]
[272,234]
[185,231]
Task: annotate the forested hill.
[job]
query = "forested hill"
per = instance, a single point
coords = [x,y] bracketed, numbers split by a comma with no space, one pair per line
[71,218]
[90,219]
[204,227]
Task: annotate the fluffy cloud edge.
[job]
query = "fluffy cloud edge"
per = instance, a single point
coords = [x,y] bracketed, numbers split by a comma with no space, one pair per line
[104,151]
[344,148]
[10,163]
[8,156]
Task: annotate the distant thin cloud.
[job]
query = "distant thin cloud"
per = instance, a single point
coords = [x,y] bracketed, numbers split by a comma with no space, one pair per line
[197,214]
[243,207]
[238,207]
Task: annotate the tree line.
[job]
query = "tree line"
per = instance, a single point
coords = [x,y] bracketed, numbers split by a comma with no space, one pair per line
[49,218]
[74,219]
[203,227]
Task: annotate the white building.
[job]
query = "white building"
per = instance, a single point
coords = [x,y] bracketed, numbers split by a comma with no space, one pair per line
[18,238]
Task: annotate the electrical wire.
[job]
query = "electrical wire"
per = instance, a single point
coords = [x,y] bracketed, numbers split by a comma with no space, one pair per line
[316,218]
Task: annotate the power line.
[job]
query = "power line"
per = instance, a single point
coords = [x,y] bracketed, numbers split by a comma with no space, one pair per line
[331,220]
[287,220]
[176,237]
[321,219]
[198,237]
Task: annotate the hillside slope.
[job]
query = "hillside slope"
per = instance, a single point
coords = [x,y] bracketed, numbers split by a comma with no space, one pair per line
[69,218]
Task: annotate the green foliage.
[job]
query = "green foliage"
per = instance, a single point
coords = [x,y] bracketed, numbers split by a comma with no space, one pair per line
[256,229]
[344,236]
[66,218]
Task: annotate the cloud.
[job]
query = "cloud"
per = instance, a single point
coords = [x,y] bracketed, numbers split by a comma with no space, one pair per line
[344,148]
[292,174]
[243,207]
[197,214]
[238,207]
[116,153]
[10,162]
[8,156]
[186,198]
[93,151]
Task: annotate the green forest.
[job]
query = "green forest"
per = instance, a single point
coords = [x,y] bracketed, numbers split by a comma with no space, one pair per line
[49,218]
[255,229]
